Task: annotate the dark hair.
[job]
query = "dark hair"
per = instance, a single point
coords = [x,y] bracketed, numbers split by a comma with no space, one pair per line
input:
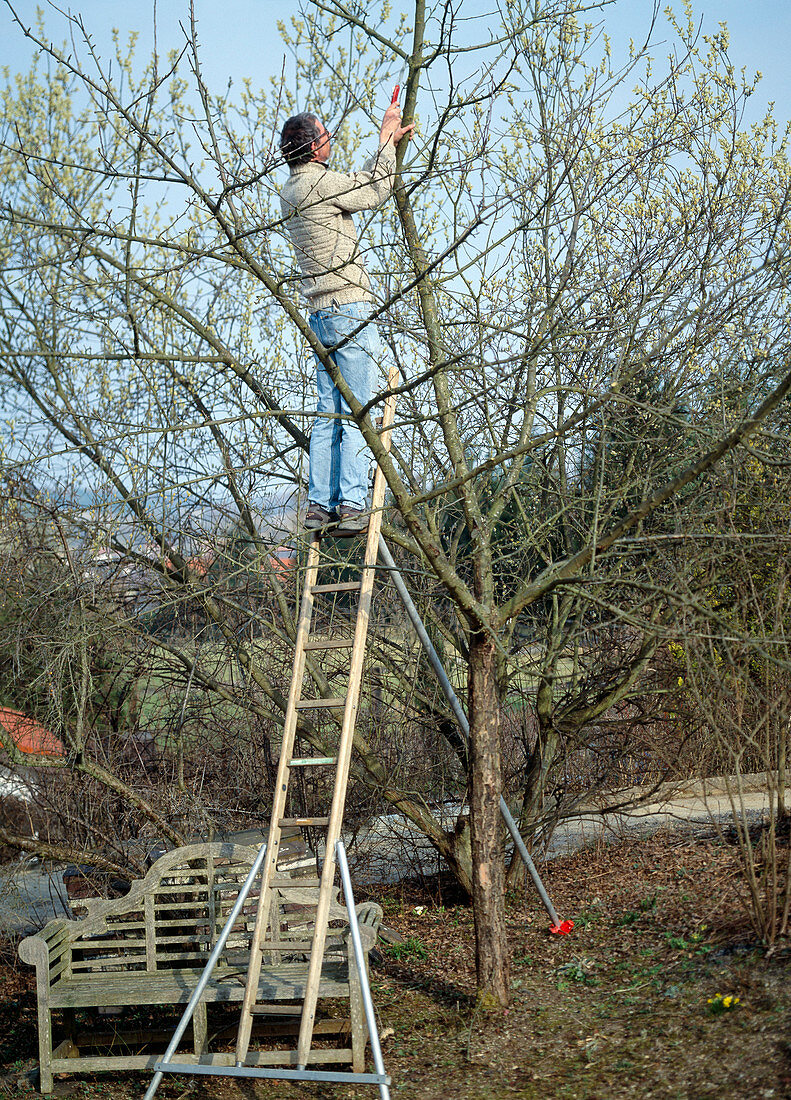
[297,137]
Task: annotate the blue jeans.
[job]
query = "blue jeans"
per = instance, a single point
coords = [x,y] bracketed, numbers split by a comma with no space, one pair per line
[339,460]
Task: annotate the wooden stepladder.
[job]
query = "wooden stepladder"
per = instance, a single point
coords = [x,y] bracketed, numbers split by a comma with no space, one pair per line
[289,763]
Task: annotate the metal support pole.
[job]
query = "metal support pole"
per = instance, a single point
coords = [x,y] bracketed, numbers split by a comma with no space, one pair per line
[461,718]
[368,1004]
[335,1077]
[207,970]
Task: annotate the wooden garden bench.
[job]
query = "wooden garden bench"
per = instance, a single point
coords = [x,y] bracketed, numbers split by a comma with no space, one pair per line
[150,948]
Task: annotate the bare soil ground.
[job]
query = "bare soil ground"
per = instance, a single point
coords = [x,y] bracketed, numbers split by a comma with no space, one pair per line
[617,1010]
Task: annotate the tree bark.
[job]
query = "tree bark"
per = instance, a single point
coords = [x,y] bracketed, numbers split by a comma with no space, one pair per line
[491,944]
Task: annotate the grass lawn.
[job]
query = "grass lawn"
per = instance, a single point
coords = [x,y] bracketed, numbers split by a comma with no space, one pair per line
[618,1010]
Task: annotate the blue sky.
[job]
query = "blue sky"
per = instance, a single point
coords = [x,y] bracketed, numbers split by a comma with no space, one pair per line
[240,39]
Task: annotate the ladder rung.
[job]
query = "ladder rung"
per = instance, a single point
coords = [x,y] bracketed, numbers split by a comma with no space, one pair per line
[343,586]
[331,942]
[304,821]
[335,701]
[282,1025]
[311,761]
[329,643]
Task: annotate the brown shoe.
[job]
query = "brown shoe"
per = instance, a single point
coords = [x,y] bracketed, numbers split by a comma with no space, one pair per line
[317,517]
[351,522]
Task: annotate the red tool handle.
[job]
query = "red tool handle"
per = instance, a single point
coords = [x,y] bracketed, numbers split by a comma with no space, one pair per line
[396,93]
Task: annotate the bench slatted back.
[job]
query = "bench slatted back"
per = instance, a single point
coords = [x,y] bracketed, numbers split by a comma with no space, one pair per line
[171,918]
[292,920]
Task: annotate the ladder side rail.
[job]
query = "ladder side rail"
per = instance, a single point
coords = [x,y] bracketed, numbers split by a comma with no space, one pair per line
[211,962]
[461,718]
[362,970]
[279,803]
[334,825]
[346,738]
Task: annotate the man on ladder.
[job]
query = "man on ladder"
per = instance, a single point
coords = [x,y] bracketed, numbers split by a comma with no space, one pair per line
[318,204]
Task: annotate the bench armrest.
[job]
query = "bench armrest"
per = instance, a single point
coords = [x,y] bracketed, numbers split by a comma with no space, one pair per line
[369,917]
[46,947]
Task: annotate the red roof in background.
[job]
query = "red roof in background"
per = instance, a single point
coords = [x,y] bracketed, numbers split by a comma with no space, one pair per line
[282,560]
[29,736]
[202,563]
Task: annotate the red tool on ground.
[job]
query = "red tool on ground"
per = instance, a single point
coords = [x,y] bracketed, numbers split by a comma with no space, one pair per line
[562,928]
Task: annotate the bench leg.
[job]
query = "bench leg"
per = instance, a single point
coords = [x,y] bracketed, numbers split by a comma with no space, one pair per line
[357,1019]
[200,1029]
[46,1083]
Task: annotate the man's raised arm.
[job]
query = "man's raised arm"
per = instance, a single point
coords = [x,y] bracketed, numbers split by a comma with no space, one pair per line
[364,190]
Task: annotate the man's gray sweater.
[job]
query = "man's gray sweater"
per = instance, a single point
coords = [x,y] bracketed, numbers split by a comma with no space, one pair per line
[318,204]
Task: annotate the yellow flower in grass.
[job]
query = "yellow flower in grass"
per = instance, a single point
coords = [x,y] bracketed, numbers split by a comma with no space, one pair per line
[722,1003]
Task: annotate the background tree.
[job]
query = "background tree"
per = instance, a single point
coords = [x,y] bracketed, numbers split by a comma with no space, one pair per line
[569,277]
[732,671]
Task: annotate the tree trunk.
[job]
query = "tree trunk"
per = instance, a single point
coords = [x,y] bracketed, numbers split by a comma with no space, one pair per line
[491,945]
